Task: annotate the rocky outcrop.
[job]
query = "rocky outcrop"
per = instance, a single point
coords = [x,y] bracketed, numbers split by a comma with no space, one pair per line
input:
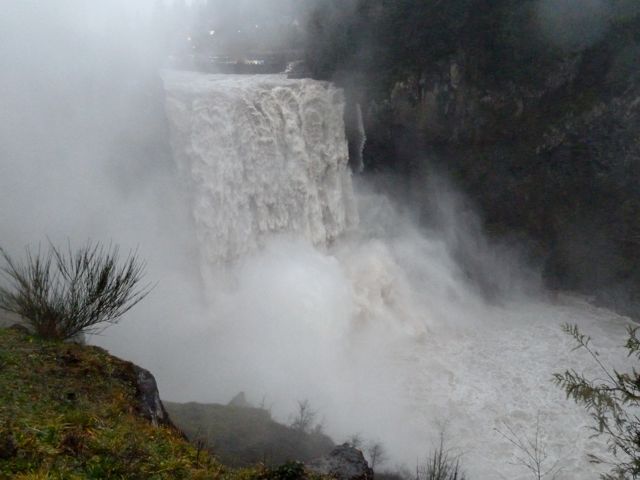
[537,128]
[149,404]
[343,463]
[557,163]
[97,403]
[148,397]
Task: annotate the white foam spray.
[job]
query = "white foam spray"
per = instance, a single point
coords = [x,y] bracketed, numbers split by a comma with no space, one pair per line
[374,322]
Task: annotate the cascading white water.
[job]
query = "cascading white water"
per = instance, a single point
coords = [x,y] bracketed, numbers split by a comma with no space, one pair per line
[361,139]
[260,157]
[377,327]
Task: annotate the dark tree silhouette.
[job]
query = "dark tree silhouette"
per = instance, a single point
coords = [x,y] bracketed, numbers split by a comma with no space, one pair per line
[613,400]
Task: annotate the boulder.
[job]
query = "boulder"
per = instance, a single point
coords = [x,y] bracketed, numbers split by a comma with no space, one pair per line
[343,463]
[150,405]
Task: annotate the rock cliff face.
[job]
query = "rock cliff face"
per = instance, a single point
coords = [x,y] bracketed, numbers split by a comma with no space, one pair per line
[559,164]
[540,133]
[148,397]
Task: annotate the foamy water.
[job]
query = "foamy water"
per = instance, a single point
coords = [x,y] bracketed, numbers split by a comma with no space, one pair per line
[260,155]
[374,322]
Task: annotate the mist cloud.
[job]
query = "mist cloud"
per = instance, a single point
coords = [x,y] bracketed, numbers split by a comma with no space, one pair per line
[83,150]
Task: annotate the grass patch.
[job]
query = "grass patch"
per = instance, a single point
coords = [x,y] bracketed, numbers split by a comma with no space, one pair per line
[70,412]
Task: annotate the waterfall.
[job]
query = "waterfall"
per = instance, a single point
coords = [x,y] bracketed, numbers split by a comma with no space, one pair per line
[260,155]
[380,329]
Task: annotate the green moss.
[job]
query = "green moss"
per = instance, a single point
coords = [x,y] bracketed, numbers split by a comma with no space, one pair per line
[69,412]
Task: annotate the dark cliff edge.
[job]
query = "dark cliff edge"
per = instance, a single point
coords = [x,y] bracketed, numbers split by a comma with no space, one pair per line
[535,121]
[69,410]
[73,411]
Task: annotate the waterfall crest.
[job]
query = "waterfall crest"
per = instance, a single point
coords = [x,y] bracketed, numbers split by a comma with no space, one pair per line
[260,155]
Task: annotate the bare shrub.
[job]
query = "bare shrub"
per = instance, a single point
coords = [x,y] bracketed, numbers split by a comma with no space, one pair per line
[377,454]
[532,452]
[441,465]
[62,293]
[305,418]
